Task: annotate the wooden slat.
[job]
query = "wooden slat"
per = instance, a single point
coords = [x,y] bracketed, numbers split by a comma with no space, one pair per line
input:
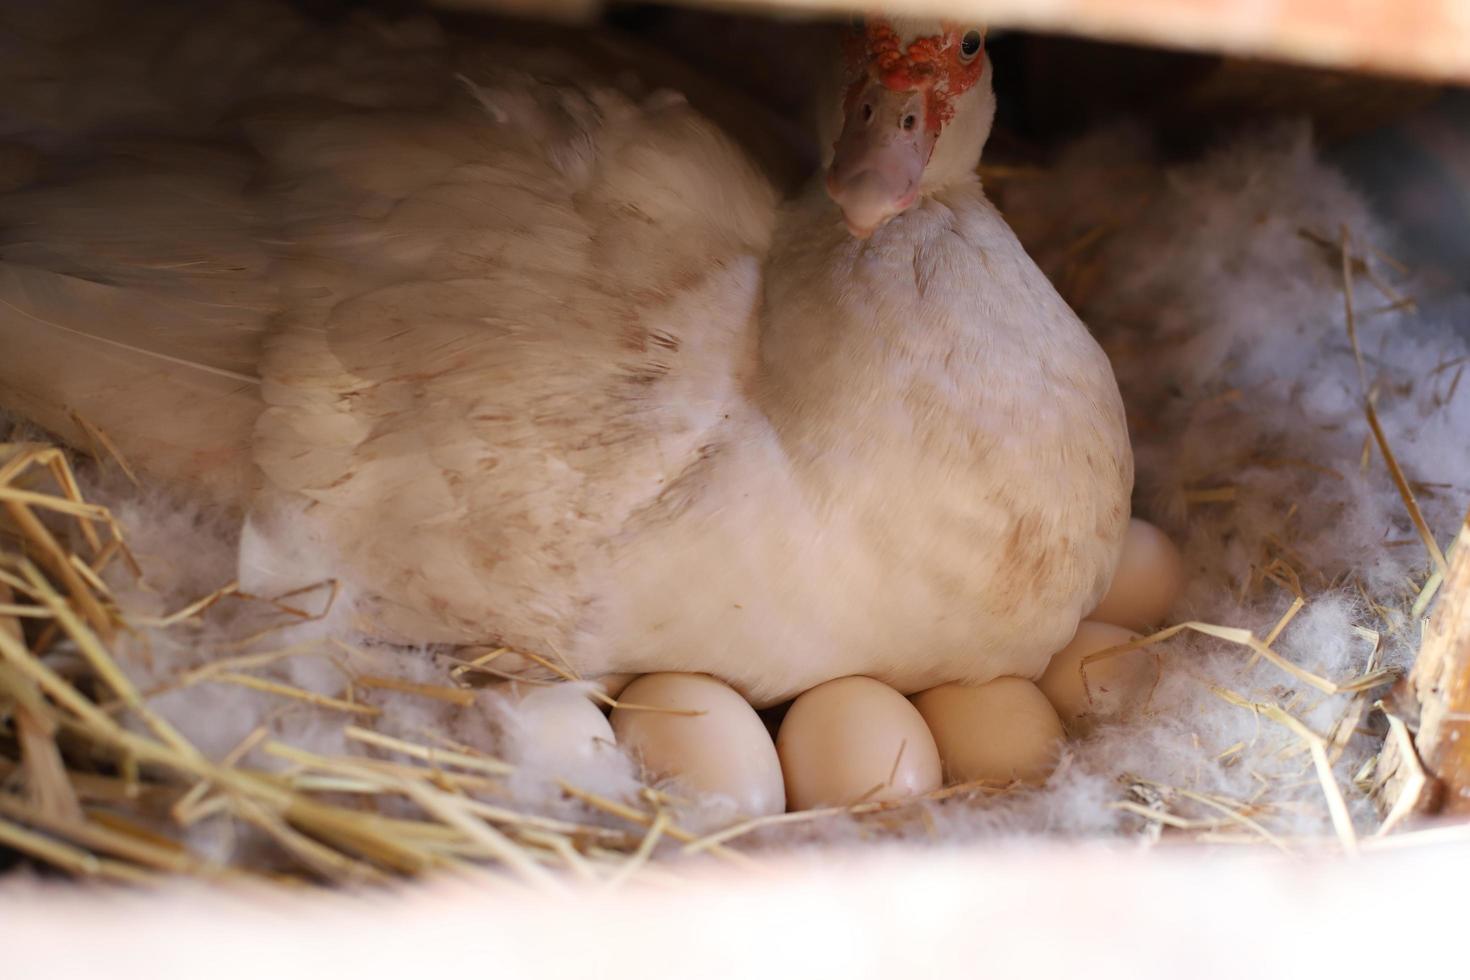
[1440,683]
[1424,769]
[1417,38]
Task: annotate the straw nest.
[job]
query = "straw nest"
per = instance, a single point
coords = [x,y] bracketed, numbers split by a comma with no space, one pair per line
[95,782]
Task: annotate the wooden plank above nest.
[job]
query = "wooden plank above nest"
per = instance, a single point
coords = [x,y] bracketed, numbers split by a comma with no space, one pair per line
[1418,38]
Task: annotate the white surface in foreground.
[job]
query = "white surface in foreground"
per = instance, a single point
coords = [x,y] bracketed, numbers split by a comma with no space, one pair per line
[903,913]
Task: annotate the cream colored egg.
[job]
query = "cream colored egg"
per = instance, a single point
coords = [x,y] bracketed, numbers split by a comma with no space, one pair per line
[1149,576]
[559,725]
[1002,732]
[723,750]
[852,740]
[1111,686]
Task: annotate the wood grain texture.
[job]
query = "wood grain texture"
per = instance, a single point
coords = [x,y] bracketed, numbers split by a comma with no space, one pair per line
[1440,683]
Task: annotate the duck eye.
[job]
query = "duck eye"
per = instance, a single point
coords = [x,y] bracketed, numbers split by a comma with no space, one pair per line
[970,45]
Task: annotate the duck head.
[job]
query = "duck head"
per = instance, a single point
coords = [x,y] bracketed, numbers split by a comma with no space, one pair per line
[914,112]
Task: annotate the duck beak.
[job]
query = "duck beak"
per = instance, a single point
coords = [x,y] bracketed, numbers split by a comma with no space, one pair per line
[880,157]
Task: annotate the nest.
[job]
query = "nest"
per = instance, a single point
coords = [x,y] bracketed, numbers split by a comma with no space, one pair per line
[95,783]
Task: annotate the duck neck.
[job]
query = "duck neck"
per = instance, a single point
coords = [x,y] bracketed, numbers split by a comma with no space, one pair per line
[873,345]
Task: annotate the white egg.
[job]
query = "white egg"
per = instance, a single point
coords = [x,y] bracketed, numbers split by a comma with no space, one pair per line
[852,740]
[1001,732]
[1112,684]
[558,725]
[722,750]
[1149,576]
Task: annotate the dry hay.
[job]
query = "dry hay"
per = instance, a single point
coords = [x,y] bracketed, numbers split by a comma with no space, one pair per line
[97,784]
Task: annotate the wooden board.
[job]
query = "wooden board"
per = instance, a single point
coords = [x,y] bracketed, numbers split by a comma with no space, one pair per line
[1416,38]
[1425,766]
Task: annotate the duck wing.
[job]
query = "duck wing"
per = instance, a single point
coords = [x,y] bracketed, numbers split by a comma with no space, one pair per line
[442,341]
[136,259]
[534,308]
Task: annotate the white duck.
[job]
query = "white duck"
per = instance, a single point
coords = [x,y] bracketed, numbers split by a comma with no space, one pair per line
[537,362]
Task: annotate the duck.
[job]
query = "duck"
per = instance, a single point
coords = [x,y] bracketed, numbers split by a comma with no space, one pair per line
[531,355]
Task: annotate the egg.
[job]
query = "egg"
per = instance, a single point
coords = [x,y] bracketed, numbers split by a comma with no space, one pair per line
[559,725]
[723,750]
[1113,683]
[852,740]
[1148,579]
[1001,732]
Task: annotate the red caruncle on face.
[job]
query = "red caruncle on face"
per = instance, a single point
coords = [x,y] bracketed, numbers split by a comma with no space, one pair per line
[934,65]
